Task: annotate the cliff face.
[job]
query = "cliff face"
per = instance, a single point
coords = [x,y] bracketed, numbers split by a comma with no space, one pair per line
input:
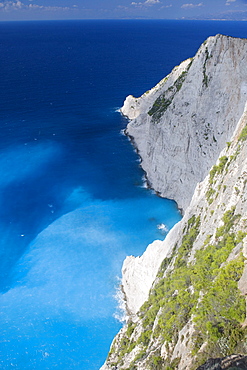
[186,296]
[182,124]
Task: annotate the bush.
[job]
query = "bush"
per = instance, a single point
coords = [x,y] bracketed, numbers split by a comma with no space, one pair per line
[243,135]
[217,169]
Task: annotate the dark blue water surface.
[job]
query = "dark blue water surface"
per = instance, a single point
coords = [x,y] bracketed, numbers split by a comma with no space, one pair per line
[72,201]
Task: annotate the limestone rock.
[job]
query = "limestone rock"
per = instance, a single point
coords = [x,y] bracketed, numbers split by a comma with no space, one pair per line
[182,124]
[214,86]
[138,273]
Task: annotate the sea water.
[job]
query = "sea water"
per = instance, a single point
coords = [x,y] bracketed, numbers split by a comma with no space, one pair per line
[73,200]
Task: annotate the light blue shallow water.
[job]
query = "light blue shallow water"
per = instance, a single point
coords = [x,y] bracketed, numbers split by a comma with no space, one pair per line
[72,201]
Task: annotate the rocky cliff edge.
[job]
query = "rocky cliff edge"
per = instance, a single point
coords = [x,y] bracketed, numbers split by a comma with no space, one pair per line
[194,304]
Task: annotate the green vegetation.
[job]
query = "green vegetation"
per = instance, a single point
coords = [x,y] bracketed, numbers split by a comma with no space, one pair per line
[164,265]
[131,327]
[155,362]
[160,106]
[126,344]
[144,338]
[163,101]
[190,235]
[204,289]
[209,195]
[234,156]
[208,278]
[243,135]
[221,311]
[171,294]
[140,355]
[217,169]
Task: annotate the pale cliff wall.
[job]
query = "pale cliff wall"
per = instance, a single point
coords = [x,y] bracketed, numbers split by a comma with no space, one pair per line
[198,275]
[181,170]
[181,125]
[139,273]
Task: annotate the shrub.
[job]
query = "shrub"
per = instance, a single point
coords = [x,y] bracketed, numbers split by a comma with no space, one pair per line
[217,169]
[243,135]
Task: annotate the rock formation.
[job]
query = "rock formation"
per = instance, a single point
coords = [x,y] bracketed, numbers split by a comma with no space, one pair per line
[186,296]
[182,124]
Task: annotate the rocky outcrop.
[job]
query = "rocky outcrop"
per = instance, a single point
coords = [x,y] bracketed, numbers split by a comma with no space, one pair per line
[139,273]
[181,125]
[194,304]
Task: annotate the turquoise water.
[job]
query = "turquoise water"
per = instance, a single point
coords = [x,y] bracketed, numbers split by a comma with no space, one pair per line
[72,199]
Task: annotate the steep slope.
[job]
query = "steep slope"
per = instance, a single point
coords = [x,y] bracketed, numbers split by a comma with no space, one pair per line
[196,308]
[181,125]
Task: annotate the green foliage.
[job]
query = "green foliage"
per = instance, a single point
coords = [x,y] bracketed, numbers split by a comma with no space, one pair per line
[163,101]
[205,289]
[236,153]
[240,236]
[189,237]
[164,266]
[160,106]
[130,328]
[126,345]
[179,82]
[205,78]
[172,292]
[228,218]
[223,160]
[144,338]
[155,362]
[140,355]
[158,363]
[174,363]
[222,310]
[177,295]
[217,169]
[243,135]
[209,195]
[132,367]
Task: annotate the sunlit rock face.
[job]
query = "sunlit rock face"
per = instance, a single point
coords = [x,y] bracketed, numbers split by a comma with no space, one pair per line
[207,151]
[181,125]
[138,273]
[179,144]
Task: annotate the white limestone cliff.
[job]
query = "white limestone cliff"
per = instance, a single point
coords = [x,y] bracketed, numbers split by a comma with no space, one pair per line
[172,153]
[180,126]
[139,273]
[177,158]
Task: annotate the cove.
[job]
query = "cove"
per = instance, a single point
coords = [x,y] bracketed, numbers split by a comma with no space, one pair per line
[72,199]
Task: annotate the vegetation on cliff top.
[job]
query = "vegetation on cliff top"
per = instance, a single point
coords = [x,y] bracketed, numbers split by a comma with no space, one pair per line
[164,100]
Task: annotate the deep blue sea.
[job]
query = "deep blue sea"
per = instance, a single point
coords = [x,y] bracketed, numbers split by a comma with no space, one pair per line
[73,204]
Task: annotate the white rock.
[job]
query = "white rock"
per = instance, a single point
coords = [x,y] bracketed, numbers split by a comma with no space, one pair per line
[178,150]
[171,154]
[138,273]
[173,157]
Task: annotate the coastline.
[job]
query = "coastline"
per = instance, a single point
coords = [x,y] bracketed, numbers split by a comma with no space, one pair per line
[206,217]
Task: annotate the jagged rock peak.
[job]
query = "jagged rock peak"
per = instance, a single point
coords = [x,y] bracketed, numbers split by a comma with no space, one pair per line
[180,126]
